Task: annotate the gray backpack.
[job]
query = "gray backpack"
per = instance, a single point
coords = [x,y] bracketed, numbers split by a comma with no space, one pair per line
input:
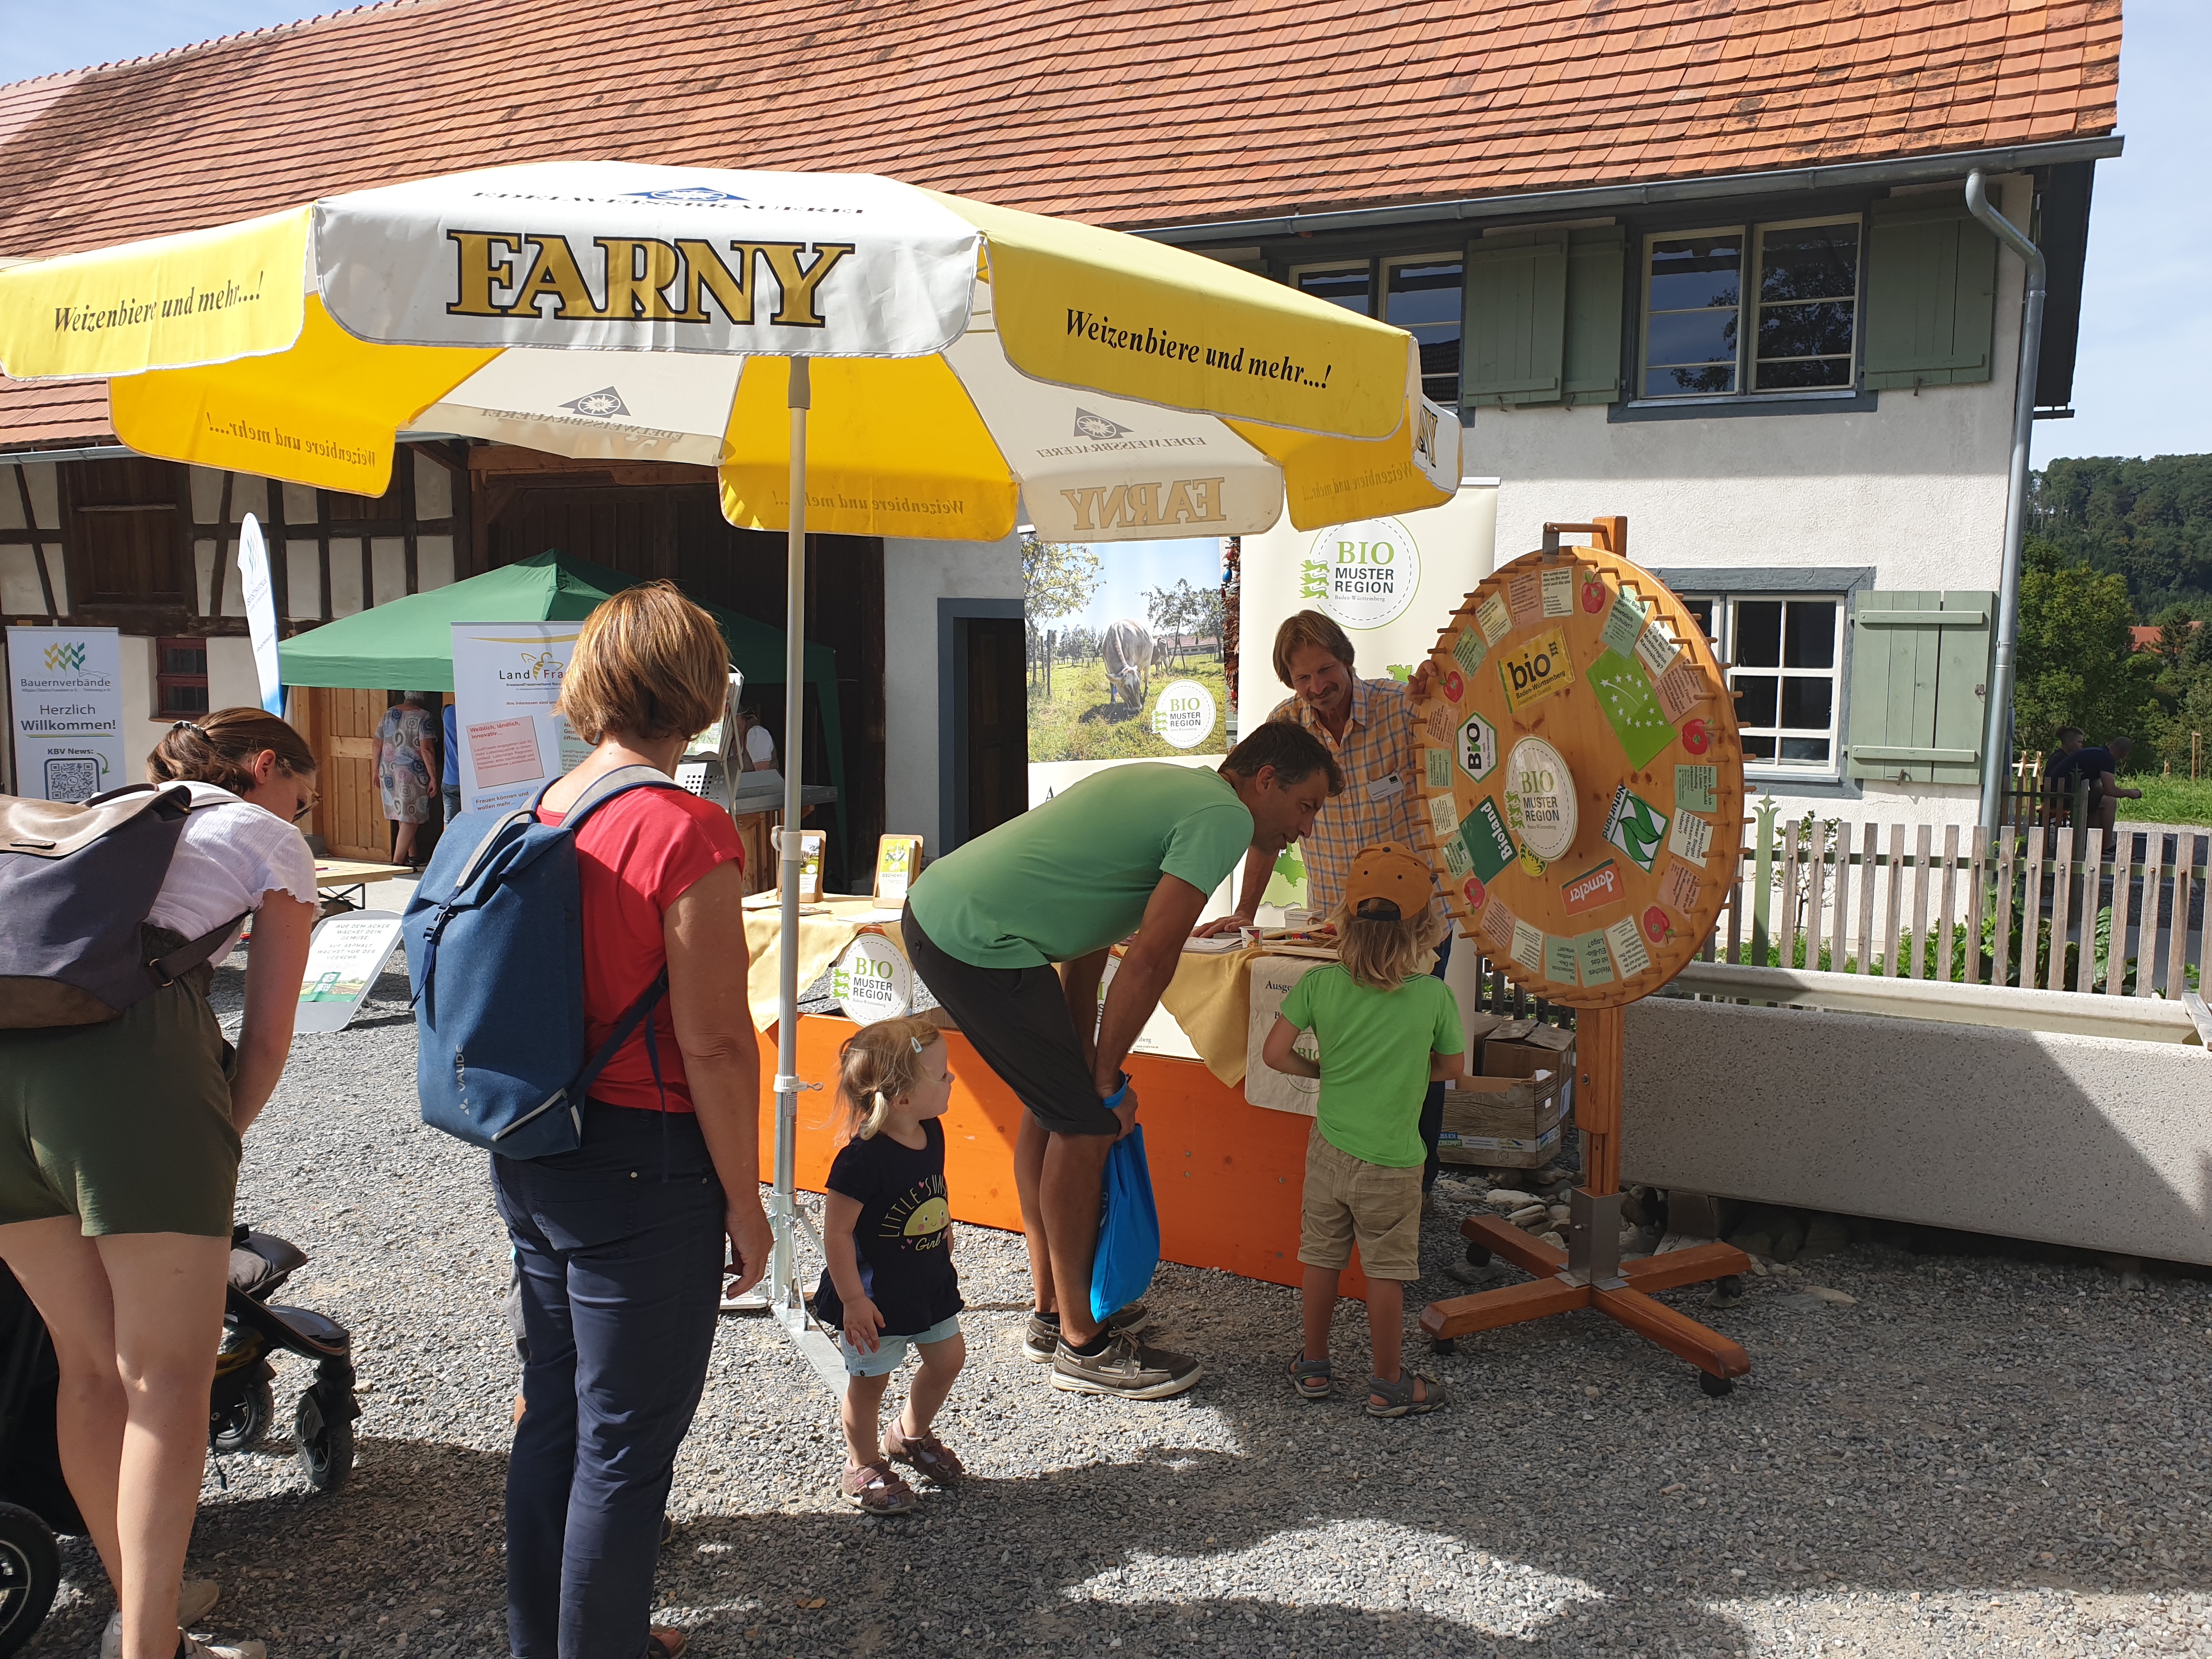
[76,884]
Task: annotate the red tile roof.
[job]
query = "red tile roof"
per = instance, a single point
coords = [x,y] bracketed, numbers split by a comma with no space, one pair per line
[1132,114]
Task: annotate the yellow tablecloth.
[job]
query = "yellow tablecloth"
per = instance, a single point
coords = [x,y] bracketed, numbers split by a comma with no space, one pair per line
[822,936]
[1211,998]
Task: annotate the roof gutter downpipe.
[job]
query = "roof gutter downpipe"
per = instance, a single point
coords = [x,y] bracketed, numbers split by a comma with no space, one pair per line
[1996,736]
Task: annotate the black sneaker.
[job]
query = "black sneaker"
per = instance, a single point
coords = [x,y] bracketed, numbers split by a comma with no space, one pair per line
[1041,1341]
[1125,1368]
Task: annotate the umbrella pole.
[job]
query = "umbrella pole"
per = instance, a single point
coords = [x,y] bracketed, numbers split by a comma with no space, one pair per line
[783,1207]
[784,1298]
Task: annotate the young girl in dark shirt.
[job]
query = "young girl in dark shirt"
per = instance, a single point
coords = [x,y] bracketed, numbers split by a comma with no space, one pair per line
[887,1231]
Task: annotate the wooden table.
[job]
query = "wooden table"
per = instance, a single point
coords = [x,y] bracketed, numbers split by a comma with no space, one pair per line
[351,877]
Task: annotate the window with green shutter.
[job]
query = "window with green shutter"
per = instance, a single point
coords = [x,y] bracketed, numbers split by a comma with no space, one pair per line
[1543,317]
[1931,293]
[1920,668]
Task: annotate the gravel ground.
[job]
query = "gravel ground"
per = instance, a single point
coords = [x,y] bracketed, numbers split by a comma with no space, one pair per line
[1981,1455]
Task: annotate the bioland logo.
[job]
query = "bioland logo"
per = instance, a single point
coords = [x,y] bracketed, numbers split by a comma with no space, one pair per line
[1364,574]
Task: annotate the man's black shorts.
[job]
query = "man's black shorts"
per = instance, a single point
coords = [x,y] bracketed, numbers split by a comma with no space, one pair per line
[1018,1019]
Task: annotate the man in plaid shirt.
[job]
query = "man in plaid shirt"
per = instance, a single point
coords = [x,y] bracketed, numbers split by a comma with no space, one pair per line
[1368,727]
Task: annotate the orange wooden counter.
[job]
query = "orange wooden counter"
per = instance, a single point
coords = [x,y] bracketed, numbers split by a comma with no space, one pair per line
[1226,1176]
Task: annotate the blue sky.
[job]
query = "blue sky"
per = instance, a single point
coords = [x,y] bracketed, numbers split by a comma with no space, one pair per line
[2146,324]
[1129,569]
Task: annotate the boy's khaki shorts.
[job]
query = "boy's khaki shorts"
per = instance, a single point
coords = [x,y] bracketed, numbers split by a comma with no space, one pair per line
[1347,1198]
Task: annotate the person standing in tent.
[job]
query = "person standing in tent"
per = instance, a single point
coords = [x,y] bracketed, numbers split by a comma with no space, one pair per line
[407,770]
[1012,932]
[118,1163]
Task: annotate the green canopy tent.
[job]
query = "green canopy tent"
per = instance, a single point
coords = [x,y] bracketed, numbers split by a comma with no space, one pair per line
[408,643]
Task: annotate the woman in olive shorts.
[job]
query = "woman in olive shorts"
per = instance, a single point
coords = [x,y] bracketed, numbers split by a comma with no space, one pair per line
[118,1160]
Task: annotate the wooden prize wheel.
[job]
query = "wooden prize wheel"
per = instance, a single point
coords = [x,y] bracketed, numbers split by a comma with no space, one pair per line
[1582,782]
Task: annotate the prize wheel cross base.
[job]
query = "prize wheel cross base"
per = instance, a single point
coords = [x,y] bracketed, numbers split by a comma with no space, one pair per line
[1589,1273]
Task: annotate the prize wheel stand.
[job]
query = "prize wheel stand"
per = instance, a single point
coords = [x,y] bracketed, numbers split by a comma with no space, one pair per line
[1584,786]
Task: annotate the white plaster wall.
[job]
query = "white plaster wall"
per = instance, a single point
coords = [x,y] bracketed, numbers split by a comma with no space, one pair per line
[916,575]
[1914,488]
[232,683]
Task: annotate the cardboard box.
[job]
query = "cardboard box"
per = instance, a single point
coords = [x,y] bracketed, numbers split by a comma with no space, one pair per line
[1271,978]
[1509,1112]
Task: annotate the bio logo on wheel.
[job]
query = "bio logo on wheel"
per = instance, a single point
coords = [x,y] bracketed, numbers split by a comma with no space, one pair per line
[1478,748]
[1637,827]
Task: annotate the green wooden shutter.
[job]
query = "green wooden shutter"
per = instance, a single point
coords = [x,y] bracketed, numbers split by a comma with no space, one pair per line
[1920,665]
[1595,258]
[1516,326]
[1931,282]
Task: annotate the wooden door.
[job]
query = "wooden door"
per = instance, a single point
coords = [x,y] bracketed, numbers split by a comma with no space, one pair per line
[990,724]
[341,727]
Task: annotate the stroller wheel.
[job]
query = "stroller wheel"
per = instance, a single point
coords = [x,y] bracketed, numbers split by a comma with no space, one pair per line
[325,1443]
[30,1573]
[242,1423]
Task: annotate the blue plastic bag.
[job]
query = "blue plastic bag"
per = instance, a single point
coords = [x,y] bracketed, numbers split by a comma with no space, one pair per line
[1128,1230]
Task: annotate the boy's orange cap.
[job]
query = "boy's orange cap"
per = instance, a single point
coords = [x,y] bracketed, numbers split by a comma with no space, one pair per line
[1389,870]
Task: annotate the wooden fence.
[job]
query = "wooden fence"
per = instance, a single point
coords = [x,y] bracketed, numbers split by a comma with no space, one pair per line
[2035,907]
[2030,905]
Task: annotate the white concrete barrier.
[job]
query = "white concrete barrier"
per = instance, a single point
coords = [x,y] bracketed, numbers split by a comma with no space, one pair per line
[2096,1141]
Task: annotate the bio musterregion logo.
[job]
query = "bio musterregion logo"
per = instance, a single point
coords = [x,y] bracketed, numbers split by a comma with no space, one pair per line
[1363,574]
[65,657]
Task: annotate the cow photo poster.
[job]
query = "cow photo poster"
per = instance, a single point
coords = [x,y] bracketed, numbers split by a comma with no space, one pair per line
[1124,656]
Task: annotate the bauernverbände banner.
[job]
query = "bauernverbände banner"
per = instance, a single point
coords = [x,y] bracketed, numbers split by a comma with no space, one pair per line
[507,680]
[65,687]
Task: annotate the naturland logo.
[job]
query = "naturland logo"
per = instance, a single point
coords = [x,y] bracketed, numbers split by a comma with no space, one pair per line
[514,273]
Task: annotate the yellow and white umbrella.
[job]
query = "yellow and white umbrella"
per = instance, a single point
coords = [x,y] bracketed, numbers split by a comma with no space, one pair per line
[971,365]
[900,363]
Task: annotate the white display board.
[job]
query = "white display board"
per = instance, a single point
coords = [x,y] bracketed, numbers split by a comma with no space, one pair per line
[343,959]
[260,596]
[872,979]
[1390,583]
[506,681]
[65,693]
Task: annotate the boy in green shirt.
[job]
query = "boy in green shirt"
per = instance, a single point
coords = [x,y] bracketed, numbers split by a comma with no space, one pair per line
[1385,1030]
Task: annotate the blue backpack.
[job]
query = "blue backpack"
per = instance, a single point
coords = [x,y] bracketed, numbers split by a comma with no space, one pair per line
[495,955]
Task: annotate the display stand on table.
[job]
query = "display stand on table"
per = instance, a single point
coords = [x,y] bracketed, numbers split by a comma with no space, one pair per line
[1584,784]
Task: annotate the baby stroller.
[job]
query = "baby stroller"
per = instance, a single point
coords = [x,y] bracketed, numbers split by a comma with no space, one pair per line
[34,1499]
[244,1403]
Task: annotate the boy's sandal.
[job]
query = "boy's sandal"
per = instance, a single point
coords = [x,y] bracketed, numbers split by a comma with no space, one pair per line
[873,1489]
[925,1453]
[665,1643]
[1311,1378]
[1399,1398]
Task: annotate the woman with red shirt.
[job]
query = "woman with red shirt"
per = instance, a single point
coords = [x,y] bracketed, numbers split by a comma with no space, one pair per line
[619,1243]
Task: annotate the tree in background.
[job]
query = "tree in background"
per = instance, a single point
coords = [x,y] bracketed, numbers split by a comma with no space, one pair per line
[1058,580]
[1172,611]
[2078,665]
[2149,521]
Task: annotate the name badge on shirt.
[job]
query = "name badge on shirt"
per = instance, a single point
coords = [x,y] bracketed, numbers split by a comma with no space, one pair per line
[1385,788]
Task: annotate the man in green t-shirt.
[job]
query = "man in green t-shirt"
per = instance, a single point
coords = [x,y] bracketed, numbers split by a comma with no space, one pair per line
[1011,931]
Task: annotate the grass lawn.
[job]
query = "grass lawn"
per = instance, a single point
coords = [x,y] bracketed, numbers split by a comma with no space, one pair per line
[2169,800]
[1078,724]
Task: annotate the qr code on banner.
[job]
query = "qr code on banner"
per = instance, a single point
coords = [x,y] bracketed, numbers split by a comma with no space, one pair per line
[72,780]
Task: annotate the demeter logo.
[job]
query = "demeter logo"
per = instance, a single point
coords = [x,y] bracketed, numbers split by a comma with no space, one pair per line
[1532,671]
